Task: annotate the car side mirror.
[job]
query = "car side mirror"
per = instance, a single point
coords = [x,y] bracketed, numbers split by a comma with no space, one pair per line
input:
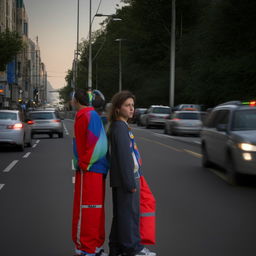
[222,128]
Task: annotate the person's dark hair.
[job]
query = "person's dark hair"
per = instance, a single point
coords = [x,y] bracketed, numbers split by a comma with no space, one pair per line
[117,101]
[82,97]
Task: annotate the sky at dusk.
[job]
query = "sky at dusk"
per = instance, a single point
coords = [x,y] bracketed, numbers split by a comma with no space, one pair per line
[54,22]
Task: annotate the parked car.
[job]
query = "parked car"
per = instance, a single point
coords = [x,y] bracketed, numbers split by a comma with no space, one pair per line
[184,122]
[137,113]
[189,107]
[14,130]
[45,122]
[155,115]
[229,139]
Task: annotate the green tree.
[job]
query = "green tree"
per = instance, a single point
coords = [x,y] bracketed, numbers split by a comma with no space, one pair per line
[10,45]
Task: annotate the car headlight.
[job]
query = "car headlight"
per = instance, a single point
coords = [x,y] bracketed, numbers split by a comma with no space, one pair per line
[247,147]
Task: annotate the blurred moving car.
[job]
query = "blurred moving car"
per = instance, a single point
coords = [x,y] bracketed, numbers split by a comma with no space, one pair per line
[184,122]
[137,113]
[14,130]
[155,115]
[45,122]
[229,139]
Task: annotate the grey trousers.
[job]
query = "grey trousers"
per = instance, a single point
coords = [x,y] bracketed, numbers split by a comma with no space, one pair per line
[125,234]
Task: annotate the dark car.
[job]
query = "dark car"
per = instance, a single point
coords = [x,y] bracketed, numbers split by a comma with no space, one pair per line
[229,139]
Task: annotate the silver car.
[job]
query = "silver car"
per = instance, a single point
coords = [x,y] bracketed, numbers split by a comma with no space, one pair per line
[184,122]
[229,139]
[155,115]
[14,130]
[45,122]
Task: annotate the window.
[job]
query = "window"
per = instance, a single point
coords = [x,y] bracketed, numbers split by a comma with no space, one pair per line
[161,110]
[244,120]
[218,117]
[41,116]
[189,116]
[8,116]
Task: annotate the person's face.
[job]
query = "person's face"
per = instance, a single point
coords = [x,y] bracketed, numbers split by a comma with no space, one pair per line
[127,109]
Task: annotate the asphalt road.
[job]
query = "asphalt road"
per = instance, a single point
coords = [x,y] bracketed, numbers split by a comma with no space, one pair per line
[198,213]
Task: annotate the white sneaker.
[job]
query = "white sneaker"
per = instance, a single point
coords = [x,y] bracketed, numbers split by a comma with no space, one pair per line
[145,252]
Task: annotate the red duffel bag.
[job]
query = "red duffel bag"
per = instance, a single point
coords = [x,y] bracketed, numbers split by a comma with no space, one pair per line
[147,214]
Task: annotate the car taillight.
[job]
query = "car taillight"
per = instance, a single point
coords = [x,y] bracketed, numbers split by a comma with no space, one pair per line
[176,119]
[30,122]
[151,116]
[56,121]
[17,126]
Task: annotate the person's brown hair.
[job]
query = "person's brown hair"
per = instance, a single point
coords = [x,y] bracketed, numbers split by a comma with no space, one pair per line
[117,101]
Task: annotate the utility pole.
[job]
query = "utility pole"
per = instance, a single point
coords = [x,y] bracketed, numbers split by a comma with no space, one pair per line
[172,54]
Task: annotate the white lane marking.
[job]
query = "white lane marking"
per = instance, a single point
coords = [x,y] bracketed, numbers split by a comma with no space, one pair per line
[37,141]
[10,166]
[1,186]
[27,155]
[34,145]
[197,142]
[65,129]
[74,180]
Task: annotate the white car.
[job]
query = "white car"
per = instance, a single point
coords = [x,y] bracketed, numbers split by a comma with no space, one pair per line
[184,122]
[155,115]
[14,130]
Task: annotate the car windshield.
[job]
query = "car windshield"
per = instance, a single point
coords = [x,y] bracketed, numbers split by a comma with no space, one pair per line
[161,111]
[244,120]
[8,116]
[188,116]
[42,115]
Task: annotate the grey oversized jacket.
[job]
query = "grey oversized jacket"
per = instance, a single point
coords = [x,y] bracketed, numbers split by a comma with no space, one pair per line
[121,160]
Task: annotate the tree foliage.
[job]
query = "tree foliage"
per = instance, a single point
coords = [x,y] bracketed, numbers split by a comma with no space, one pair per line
[10,45]
[215,56]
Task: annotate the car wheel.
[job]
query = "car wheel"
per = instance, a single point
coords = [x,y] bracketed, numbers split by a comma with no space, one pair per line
[232,175]
[165,129]
[172,132]
[147,125]
[50,135]
[205,158]
[60,134]
[21,147]
[29,144]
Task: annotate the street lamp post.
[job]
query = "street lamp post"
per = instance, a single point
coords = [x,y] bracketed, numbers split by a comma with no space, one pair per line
[90,42]
[172,54]
[120,62]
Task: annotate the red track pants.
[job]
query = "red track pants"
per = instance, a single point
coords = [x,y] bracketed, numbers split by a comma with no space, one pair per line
[88,227]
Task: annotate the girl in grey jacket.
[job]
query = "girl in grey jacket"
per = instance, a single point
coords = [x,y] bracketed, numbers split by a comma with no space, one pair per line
[125,170]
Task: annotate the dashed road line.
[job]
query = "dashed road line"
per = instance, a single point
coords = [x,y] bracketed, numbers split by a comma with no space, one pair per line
[10,166]
[37,141]
[27,155]
[1,186]
[34,145]
[65,129]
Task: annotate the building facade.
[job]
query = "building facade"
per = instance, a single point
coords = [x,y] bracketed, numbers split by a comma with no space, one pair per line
[25,78]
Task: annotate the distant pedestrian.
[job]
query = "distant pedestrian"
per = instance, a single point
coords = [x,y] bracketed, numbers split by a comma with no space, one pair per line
[125,172]
[90,163]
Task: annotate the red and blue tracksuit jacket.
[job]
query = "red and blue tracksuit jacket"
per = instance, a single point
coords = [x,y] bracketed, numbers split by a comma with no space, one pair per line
[91,165]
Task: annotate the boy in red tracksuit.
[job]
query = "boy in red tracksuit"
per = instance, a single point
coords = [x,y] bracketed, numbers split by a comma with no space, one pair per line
[90,149]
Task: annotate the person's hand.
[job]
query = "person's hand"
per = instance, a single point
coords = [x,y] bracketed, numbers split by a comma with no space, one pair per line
[133,190]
